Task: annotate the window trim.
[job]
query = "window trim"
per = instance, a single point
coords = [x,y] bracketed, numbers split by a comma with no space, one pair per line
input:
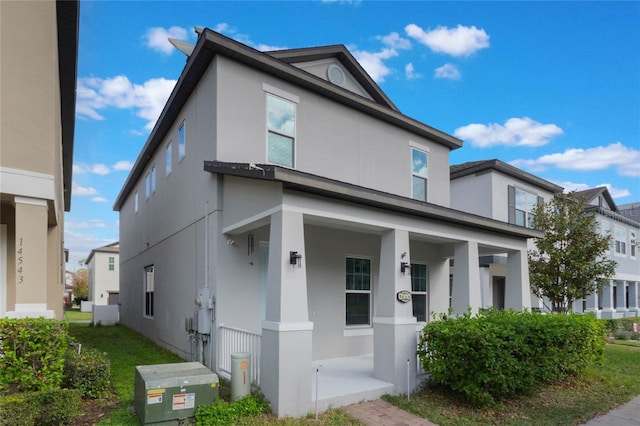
[112,263]
[512,192]
[168,157]
[414,175]
[421,293]
[148,303]
[147,186]
[633,240]
[287,97]
[153,179]
[369,292]
[182,141]
[620,250]
[135,202]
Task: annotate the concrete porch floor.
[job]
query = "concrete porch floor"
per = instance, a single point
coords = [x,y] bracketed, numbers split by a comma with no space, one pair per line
[345,381]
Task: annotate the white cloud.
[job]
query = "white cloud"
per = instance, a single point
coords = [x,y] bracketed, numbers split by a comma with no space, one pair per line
[158,38]
[615,192]
[447,71]
[515,132]
[99,200]
[82,191]
[459,41]
[394,41]
[80,244]
[626,160]
[229,31]
[147,99]
[373,62]
[96,168]
[410,73]
[124,165]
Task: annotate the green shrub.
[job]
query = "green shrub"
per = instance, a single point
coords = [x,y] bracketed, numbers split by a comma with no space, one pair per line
[501,354]
[622,328]
[19,409]
[225,413]
[33,352]
[89,371]
[51,407]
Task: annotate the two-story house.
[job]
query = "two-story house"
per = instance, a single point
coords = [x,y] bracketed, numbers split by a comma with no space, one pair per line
[37,118]
[103,275]
[495,189]
[284,199]
[620,297]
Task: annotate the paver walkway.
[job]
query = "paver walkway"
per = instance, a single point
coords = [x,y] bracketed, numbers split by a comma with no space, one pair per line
[382,413]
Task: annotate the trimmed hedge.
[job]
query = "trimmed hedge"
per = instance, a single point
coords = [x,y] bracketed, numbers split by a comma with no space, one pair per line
[501,354]
[88,371]
[32,354]
[50,407]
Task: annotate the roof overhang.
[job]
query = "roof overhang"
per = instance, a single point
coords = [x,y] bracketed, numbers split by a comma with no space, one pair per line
[305,182]
[211,44]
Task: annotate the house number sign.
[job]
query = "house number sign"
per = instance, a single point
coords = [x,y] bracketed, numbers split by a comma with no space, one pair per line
[19,262]
[404,296]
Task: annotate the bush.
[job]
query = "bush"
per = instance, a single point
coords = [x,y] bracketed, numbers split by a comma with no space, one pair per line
[33,352]
[622,328]
[501,354]
[89,372]
[225,413]
[51,407]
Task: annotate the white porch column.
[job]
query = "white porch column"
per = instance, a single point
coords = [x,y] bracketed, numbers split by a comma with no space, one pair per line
[394,327]
[607,300]
[621,297]
[466,278]
[634,309]
[286,332]
[438,288]
[485,287]
[517,289]
[592,302]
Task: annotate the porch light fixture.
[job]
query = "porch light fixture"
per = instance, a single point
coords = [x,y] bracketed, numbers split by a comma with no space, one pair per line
[405,268]
[295,259]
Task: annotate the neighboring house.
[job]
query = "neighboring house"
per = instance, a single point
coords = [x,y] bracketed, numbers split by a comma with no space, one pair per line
[621,297]
[37,113]
[494,189]
[68,286]
[282,198]
[103,279]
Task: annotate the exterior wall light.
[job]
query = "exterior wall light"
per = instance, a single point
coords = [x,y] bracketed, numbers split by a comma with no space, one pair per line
[405,268]
[295,259]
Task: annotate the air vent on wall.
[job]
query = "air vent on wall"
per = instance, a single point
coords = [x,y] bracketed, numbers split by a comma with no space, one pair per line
[336,75]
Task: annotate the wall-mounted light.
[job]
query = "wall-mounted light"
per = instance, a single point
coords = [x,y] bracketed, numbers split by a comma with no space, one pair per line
[295,259]
[250,244]
[405,268]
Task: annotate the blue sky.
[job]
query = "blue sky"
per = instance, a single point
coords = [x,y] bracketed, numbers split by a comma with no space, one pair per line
[550,87]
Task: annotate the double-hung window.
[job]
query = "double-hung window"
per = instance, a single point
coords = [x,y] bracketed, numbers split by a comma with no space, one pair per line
[112,263]
[149,288]
[632,244]
[153,179]
[135,202]
[620,238]
[521,206]
[419,288]
[167,159]
[358,291]
[147,186]
[182,148]
[281,130]
[418,174]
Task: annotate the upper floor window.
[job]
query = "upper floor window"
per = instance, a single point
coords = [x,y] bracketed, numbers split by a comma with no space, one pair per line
[358,291]
[153,179]
[418,174]
[112,263]
[281,131]
[167,159]
[419,286]
[620,238]
[182,149]
[521,206]
[147,186]
[632,244]
[135,202]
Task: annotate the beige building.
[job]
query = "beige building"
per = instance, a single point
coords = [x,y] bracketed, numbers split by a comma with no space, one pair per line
[38,65]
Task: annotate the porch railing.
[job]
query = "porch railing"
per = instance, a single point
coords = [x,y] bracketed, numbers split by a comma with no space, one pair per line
[232,340]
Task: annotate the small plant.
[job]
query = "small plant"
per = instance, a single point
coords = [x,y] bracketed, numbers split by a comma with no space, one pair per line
[225,413]
[89,372]
[50,407]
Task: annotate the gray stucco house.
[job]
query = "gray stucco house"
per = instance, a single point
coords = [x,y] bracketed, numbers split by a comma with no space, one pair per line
[284,206]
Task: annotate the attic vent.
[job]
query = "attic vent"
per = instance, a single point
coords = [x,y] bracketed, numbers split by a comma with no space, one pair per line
[336,75]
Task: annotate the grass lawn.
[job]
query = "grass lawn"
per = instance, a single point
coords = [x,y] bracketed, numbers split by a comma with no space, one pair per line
[76,315]
[571,402]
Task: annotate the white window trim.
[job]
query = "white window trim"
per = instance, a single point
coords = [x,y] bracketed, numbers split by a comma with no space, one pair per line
[168,159]
[183,126]
[355,328]
[425,293]
[135,202]
[624,241]
[633,244]
[287,96]
[417,147]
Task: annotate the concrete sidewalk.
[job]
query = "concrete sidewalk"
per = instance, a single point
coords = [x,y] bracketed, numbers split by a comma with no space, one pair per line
[382,413]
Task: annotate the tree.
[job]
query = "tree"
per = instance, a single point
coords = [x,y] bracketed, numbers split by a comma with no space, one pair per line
[79,284]
[568,262]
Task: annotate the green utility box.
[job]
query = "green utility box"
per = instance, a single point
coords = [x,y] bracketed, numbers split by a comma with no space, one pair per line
[166,393]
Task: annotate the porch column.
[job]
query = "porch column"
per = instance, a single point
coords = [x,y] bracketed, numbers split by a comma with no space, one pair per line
[621,297]
[517,289]
[285,364]
[466,278]
[486,287]
[592,302]
[607,300]
[394,327]
[634,310]
[438,287]
[31,226]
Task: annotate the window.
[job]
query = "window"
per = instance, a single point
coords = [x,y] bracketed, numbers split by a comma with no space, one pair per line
[167,160]
[418,174]
[182,149]
[281,130]
[112,263]
[148,291]
[358,291]
[521,205]
[632,244]
[135,202]
[153,179]
[620,238]
[419,287]
[147,186]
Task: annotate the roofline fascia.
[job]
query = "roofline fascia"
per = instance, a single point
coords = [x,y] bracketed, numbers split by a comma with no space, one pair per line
[612,214]
[509,170]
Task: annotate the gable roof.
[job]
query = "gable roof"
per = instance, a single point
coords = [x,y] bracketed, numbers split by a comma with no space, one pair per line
[588,195]
[331,188]
[342,54]
[485,166]
[210,44]
[109,248]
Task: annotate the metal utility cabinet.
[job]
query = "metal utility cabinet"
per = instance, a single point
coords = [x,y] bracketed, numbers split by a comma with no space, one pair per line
[165,393]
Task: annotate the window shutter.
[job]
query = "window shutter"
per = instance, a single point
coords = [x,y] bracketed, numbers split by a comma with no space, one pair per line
[512,204]
[540,200]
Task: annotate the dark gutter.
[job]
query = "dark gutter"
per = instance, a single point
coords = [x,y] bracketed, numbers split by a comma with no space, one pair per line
[306,182]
